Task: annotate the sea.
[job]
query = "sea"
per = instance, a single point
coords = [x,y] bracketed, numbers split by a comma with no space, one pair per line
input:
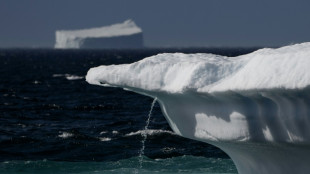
[53,122]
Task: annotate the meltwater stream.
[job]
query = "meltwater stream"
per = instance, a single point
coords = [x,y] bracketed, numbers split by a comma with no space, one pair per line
[144,135]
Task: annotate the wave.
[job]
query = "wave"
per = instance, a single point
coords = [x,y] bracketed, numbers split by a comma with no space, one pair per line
[69,76]
[183,164]
[150,132]
[105,139]
[65,135]
[78,135]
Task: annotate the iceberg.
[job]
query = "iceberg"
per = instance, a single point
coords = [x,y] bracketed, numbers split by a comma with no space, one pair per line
[122,35]
[255,107]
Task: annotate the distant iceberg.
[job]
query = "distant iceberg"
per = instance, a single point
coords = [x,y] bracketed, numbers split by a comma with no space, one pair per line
[255,107]
[122,35]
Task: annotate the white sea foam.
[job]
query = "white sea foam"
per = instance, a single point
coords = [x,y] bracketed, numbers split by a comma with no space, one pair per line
[168,149]
[114,132]
[65,135]
[74,77]
[69,76]
[21,125]
[103,132]
[58,75]
[105,139]
[36,82]
[149,132]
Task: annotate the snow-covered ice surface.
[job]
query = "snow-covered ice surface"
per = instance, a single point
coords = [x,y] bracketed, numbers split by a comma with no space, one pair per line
[286,67]
[256,107]
[75,38]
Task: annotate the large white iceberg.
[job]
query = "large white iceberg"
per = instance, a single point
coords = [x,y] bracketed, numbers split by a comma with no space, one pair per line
[255,107]
[122,35]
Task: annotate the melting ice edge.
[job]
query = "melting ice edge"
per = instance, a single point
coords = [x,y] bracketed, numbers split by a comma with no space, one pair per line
[255,107]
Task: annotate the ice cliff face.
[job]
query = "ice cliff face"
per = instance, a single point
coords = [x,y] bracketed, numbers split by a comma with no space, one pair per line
[123,35]
[255,107]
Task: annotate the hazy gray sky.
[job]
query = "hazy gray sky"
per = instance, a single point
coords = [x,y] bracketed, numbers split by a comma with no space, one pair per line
[32,23]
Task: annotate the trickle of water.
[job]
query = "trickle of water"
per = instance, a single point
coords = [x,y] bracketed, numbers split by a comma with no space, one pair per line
[144,135]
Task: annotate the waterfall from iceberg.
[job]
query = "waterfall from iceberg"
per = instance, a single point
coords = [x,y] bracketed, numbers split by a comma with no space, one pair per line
[144,134]
[255,107]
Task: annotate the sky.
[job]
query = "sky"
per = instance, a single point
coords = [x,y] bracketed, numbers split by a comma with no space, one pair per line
[165,23]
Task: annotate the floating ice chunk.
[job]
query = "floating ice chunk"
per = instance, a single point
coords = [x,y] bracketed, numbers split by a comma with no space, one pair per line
[255,106]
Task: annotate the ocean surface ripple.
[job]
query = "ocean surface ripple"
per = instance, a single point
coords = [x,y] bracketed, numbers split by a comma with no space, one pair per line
[52,120]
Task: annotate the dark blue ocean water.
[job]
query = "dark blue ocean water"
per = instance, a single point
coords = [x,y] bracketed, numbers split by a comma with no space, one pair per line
[52,121]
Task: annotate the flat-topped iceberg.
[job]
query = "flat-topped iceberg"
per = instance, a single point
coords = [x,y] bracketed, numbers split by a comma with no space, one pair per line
[122,35]
[255,107]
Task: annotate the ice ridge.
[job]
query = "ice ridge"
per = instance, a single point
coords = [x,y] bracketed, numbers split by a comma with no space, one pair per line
[286,67]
